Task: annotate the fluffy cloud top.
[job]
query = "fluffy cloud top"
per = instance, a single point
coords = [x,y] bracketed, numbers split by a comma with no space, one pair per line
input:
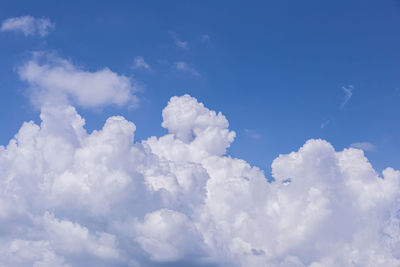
[72,198]
[54,79]
[28,25]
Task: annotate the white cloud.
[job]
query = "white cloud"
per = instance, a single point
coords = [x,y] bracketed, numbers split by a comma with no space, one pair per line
[55,79]
[366,146]
[348,92]
[179,43]
[168,235]
[21,252]
[324,124]
[28,25]
[104,199]
[71,238]
[183,66]
[140,63]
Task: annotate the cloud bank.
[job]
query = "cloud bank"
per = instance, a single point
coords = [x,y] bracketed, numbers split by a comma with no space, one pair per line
[28,25]
[73,198]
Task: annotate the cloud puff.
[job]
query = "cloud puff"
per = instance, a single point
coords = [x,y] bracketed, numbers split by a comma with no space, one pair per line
[73,198]
[55,79]
[140,63]
[179,43]
[28,25]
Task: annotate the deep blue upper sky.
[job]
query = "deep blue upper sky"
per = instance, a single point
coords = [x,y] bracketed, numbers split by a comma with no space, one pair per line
[275,69]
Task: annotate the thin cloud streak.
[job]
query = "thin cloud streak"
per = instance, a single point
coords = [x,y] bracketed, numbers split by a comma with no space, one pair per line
[348,93]
[184,67]
[366,146]
[178,42]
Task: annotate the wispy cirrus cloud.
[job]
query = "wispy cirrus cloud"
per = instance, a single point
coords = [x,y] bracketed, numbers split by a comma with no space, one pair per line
[185,67]
[28,25]
[140,63]
[252,134]
[178,42]
[324,123]
[366,146]
[348,93]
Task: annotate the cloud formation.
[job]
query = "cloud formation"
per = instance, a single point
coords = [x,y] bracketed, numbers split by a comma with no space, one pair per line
[28,25]
[366,146]
[54,79]
[73,198]
[184,67]
[178,42]
[140,63]
[348,93]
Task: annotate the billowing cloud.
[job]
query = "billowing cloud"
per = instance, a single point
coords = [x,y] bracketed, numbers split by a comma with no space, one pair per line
[28,25]
[53,79]
[73,198]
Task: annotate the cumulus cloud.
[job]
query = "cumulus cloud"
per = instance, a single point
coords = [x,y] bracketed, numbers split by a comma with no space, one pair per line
[52,78]
[73,198]
[140,63]
[28,25]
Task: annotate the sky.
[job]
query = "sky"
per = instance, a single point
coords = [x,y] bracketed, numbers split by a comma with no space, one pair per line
[305,94]
[275,69]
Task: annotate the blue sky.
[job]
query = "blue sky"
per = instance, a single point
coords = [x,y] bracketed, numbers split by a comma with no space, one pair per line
[275,69]
[309,94]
